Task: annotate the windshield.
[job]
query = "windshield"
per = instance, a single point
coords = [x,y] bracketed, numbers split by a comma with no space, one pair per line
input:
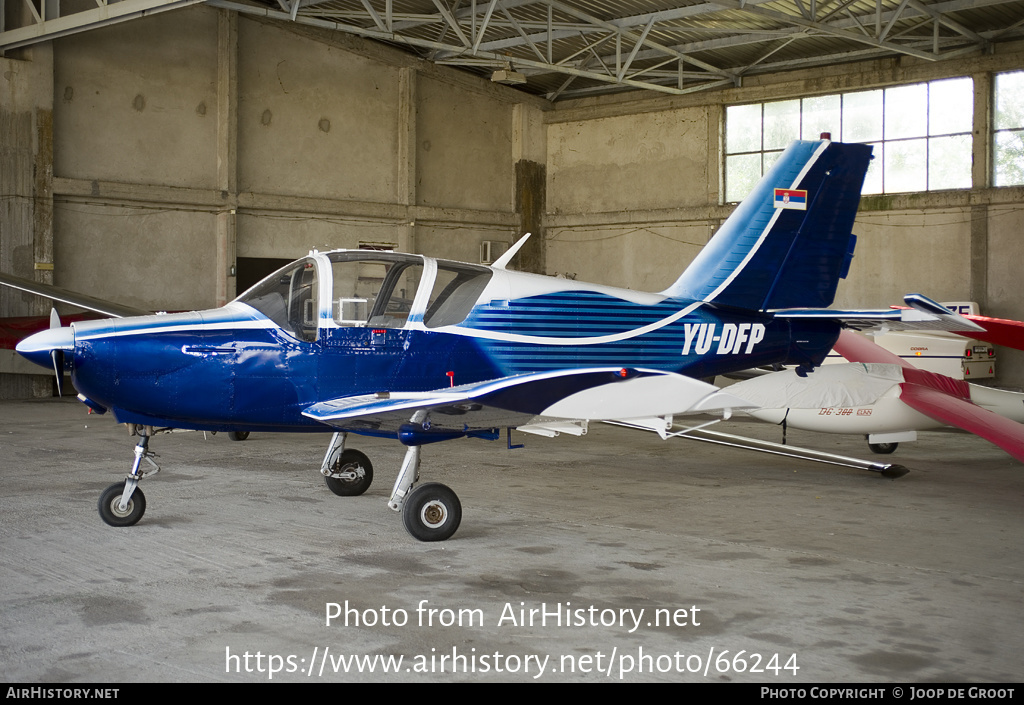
[289,298]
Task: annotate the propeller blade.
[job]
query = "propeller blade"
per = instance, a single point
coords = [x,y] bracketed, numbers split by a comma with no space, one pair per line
[58,363]
[54,319]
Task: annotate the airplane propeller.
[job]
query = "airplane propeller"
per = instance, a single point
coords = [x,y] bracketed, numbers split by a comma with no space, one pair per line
[57,355]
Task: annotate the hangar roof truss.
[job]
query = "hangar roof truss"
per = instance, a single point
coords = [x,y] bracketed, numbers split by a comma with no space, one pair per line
[563,49]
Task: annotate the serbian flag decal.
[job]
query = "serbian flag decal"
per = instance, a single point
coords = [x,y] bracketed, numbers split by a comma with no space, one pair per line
[791,198]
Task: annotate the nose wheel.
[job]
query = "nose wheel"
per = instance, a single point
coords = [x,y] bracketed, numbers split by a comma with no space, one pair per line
[110,506]
[123,504]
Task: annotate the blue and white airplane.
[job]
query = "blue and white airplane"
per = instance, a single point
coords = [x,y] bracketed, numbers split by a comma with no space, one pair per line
[423,350]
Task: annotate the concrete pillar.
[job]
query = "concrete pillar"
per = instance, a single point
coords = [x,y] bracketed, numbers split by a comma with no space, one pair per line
[227,158]
[981,179]
[529,155]
[406,156]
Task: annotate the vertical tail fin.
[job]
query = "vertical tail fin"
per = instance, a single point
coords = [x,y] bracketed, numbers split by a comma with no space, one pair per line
[790,241]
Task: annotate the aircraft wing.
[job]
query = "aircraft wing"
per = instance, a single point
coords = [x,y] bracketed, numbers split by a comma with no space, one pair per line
[999,331]
[579,394]
[89,303]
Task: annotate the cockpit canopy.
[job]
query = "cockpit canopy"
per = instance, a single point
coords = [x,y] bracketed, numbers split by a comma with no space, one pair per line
[367,289]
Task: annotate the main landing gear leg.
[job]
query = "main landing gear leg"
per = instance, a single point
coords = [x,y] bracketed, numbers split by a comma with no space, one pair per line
[123,504]
[431,512]
[407,477]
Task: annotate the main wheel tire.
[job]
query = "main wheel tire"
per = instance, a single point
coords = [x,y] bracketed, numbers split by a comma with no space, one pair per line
[883,448]
[432,512]
[351,461]
[110,501]
[238,435]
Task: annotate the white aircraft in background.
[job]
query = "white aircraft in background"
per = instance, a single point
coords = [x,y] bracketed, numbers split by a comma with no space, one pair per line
[885,398]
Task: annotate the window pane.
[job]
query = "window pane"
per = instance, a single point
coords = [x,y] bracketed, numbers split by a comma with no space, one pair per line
[949,162]
[821,115]
[862,116]
[905,166]
[781,123]
[922,134]
[906,111]
[873,179]
[742,128]
[1009,158]
[950,106]
[742,172]
[1009,100]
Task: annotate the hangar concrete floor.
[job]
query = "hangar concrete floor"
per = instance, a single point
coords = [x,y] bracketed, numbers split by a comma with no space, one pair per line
[849,576]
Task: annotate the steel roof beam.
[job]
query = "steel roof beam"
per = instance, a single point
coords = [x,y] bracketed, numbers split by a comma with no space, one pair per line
[44,28]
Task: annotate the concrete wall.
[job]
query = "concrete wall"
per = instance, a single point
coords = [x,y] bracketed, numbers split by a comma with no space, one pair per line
[313,120]
[631,163]
[133,106]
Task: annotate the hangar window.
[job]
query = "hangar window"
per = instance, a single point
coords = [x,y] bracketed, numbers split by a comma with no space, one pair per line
[921,134]
[1008,121]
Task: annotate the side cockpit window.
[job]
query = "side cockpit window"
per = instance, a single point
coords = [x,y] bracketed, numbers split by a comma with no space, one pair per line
[455,291]
[376,293]
[290,298]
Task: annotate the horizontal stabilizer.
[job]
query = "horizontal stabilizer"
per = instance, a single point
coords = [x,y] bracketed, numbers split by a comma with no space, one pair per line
[921,314]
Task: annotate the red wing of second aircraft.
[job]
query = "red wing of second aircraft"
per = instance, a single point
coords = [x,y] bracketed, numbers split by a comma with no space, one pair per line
[939,397]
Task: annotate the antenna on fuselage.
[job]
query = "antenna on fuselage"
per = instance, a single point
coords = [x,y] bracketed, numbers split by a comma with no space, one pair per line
[503,261]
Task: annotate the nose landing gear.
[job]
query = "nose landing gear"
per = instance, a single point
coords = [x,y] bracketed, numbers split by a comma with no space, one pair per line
[123,503]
